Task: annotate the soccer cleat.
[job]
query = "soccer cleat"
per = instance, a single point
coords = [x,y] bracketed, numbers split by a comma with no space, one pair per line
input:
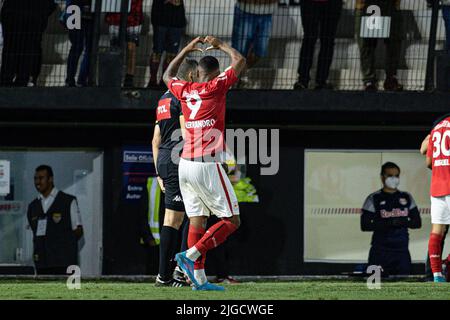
[179,276]
[169,283]
[187,265]
[208,287]
[439,279]
[159,282]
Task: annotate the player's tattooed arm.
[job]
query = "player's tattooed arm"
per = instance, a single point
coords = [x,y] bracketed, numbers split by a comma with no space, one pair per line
[238,61]
[173,67]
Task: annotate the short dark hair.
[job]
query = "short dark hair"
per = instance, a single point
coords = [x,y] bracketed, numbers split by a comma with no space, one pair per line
[47,168]
[389,165]
[209,64]
[188,65]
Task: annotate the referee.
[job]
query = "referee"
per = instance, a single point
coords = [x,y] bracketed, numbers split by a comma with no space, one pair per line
[169,118]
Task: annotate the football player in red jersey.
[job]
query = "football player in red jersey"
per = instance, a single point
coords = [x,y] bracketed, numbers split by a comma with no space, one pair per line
[438,159]
[204,184]
[169,119]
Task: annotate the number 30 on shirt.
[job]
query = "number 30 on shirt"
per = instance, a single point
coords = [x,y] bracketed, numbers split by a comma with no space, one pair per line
[439,144]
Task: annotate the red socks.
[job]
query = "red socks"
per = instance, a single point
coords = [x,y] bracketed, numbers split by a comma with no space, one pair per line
[434,250]
[194,235]
[215,236]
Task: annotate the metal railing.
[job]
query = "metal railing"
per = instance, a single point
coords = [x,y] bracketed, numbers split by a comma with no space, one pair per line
[283,42]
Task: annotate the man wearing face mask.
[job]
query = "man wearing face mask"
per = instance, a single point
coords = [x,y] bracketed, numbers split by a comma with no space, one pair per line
[388,213]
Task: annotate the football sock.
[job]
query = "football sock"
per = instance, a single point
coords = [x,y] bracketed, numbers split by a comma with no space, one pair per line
[200,276]
[195,234]
[184,235]
[167,250]
[434,250]
[215,236]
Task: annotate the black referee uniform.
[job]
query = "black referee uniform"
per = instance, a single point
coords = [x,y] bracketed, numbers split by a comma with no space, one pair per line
[168,120]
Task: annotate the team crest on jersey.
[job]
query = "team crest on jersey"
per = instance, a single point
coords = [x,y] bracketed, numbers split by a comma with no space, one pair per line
[56,217]
[163,109]
[403,201]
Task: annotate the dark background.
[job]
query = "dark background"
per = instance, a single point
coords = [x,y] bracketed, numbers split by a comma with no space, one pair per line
[270,241]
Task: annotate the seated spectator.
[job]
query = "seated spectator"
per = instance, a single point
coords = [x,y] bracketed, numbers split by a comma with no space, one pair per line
[23,22]
[80,40]
[319,19]
[367,46]
[168,21]
[388,213]
[134,26]
[252,26]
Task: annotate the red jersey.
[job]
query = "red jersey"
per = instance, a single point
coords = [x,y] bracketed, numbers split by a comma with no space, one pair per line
[203,107]
[439,152]
[135,16]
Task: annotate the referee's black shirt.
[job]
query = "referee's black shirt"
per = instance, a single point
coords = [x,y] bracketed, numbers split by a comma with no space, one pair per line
[168,115]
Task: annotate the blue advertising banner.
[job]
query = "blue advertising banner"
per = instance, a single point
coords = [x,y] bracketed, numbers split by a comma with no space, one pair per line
[137,166]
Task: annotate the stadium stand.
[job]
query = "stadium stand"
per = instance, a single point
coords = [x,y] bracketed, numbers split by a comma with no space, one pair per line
[278,70]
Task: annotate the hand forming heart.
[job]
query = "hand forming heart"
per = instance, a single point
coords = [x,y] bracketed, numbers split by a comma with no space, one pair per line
[213,42]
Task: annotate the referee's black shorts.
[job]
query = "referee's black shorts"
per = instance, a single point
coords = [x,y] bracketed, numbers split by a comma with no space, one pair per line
[168,172]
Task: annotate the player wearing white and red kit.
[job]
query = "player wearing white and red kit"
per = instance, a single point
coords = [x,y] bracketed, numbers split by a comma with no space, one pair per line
[204,184]
[438,159]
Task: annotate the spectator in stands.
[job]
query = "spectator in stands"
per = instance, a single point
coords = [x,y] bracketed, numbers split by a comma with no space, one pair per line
[319,19]
[168,21]
[134,26]
[252,26]
[389,213]
[445,5]
[367,46]
[80,40]
[446,17]
[23,22]
[1,42]
[54,218]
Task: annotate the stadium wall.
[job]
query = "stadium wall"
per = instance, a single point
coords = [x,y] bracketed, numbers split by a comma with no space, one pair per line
[270,241]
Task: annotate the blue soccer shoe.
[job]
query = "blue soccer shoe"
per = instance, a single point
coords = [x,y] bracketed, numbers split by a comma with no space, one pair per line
[208,287]
[187,265]
[439,279]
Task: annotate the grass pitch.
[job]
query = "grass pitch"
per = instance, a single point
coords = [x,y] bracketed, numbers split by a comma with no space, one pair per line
[298,290]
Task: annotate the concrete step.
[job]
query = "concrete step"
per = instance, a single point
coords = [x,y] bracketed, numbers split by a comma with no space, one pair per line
[264,78]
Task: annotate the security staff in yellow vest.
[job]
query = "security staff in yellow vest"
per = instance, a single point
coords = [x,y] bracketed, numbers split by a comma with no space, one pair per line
[54,218]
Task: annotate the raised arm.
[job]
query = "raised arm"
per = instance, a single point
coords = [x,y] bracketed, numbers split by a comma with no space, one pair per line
[172,69]
[424,145]
[237,60]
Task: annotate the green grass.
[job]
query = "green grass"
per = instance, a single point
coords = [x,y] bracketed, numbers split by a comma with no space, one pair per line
[311,289]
